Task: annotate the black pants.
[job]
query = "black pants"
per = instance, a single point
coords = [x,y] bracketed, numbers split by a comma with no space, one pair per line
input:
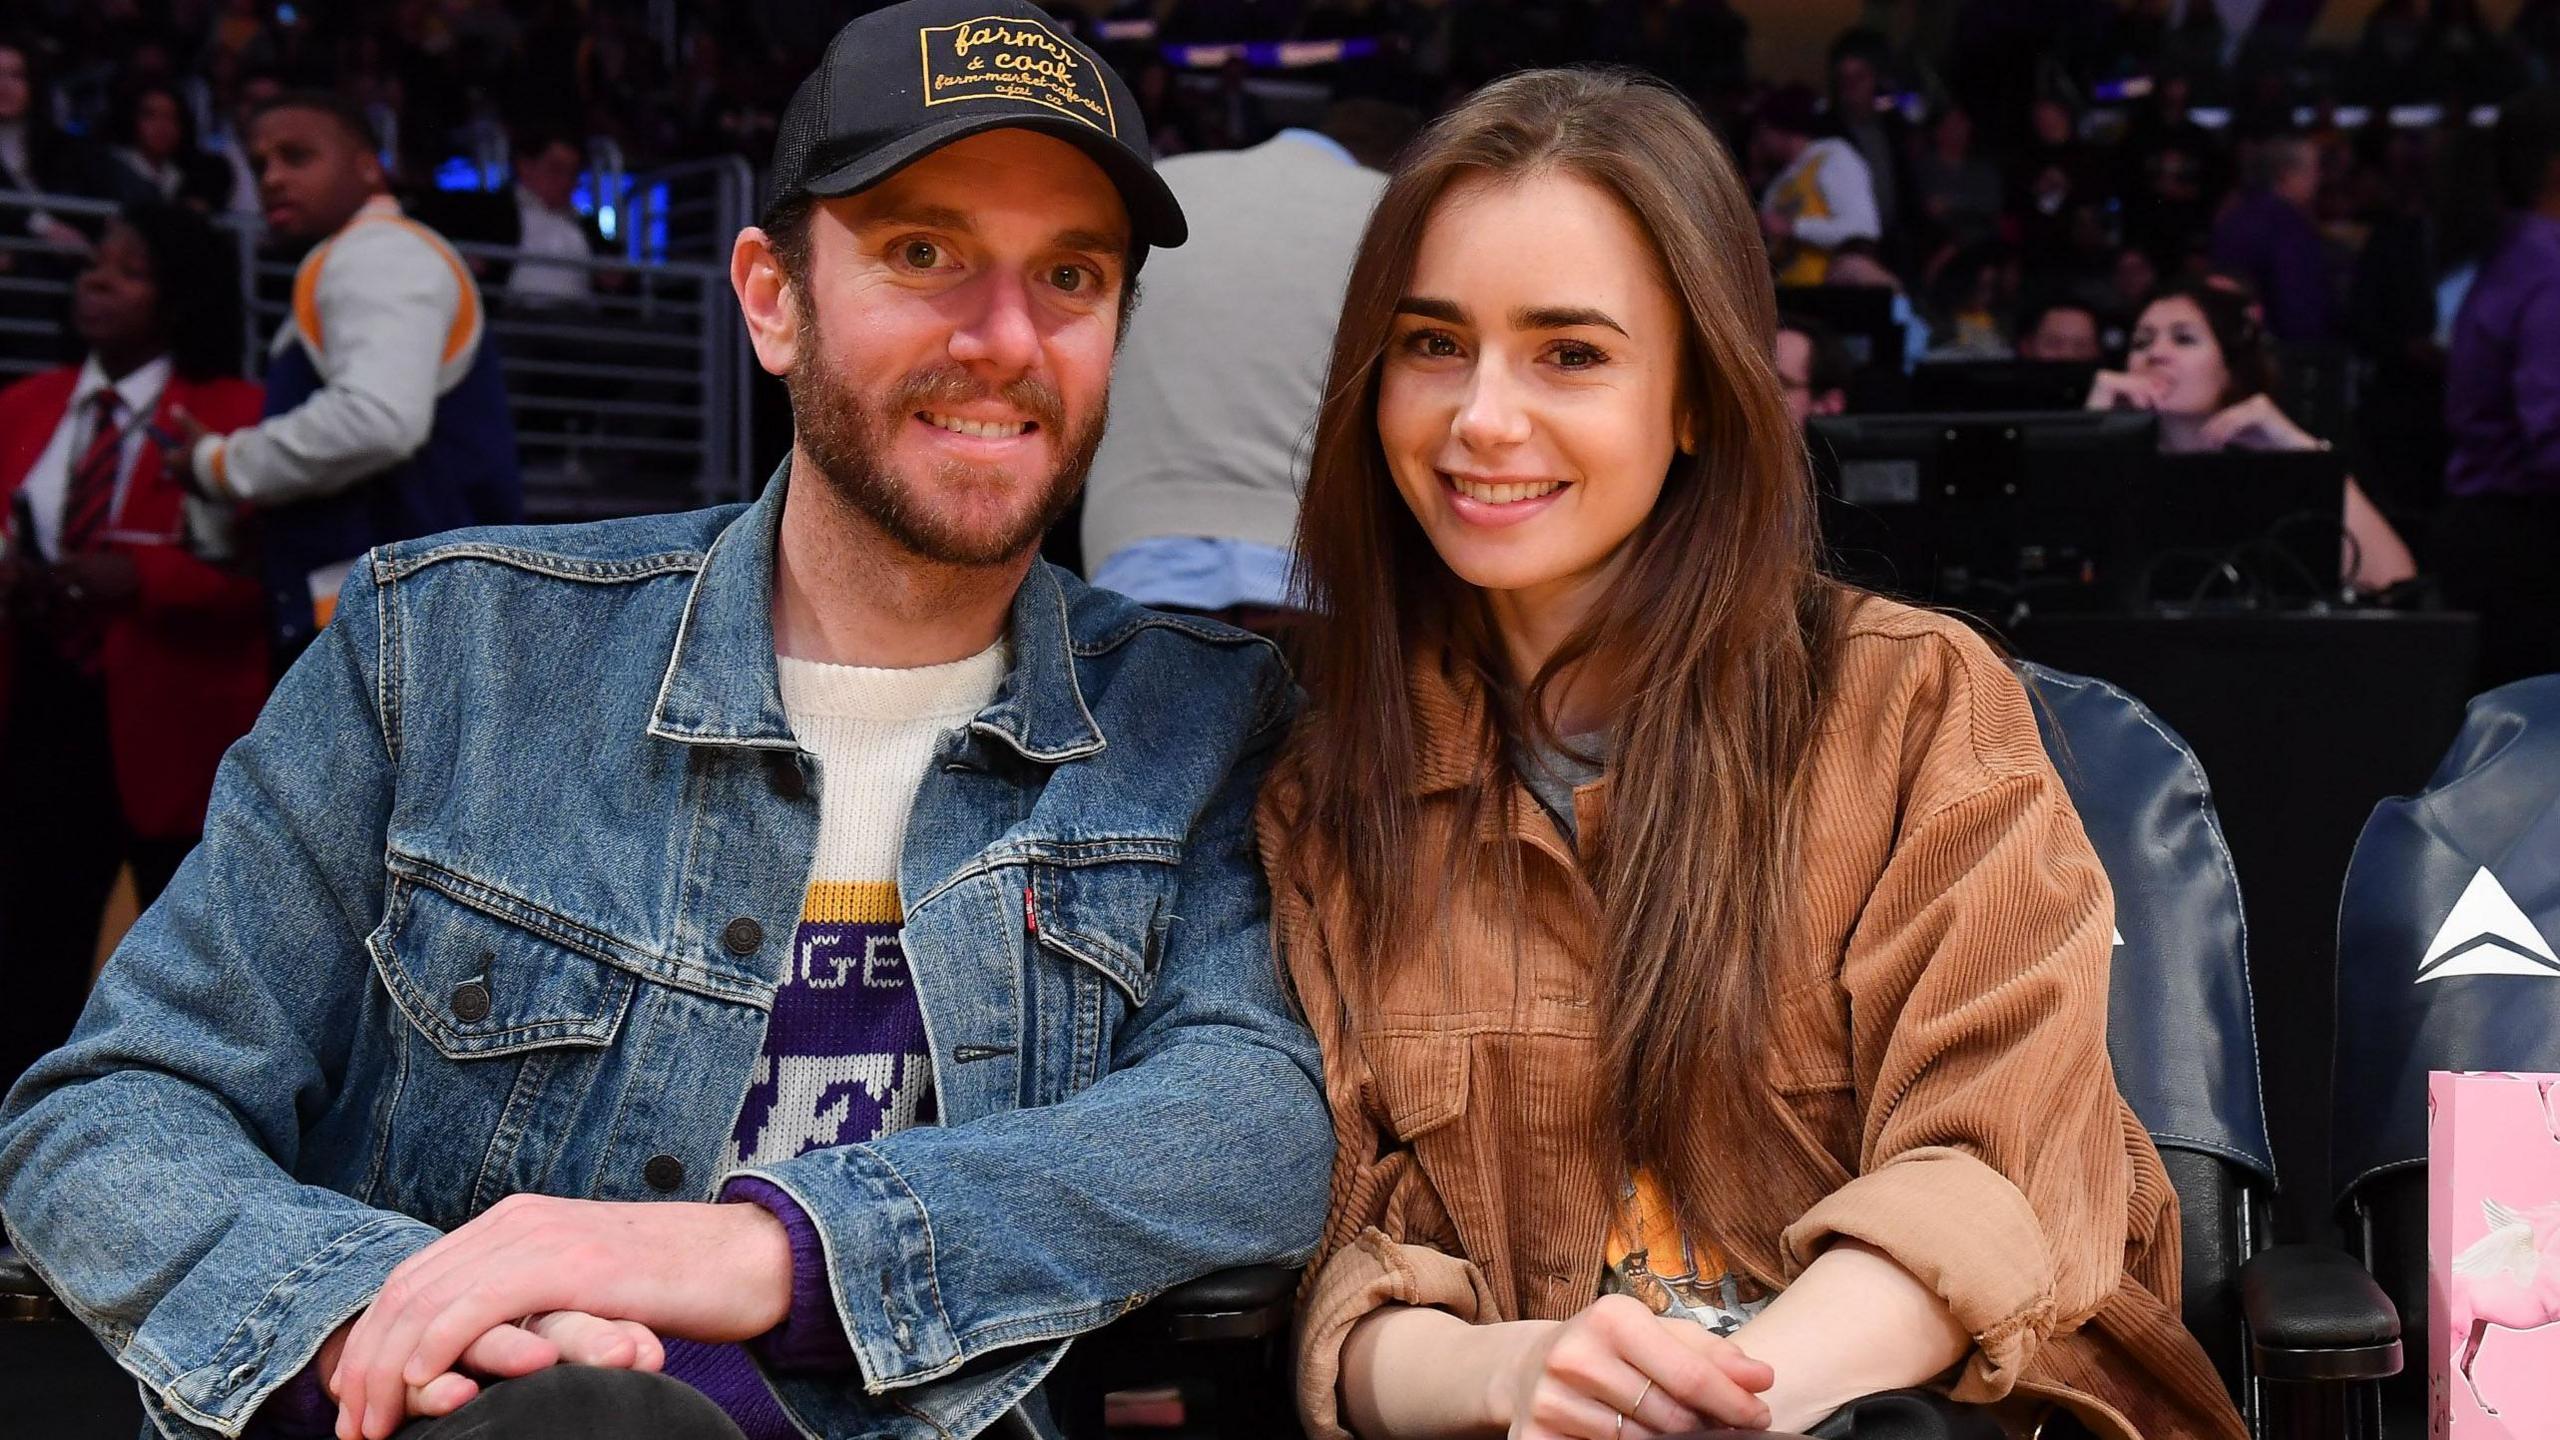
[580,1402]
[2499,555]
[62,839]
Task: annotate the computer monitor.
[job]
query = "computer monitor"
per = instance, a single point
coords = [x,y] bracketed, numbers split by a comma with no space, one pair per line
[1984,512]
[2248,526]
[2071,510]
[2000,385]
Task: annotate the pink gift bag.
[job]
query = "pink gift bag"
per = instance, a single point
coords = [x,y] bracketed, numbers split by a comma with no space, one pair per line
[2493,1256]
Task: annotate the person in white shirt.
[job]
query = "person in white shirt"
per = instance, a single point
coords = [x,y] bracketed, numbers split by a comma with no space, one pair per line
[1822,195]
[548,163]
[1194,494]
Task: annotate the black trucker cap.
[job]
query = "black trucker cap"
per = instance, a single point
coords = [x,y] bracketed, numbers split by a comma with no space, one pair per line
[900,83]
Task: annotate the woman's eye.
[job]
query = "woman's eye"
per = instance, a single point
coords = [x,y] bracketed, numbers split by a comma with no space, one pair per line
[1571,356]
[1432,344]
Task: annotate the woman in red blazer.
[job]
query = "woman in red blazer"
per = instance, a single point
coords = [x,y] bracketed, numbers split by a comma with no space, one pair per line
[127,665]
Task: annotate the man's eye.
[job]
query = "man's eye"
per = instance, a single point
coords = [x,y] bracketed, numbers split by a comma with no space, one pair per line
[922,254]
[1070,279]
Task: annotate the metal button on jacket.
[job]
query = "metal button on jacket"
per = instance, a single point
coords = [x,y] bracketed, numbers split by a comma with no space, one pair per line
[664,1173]
[470,1002]
[742,936]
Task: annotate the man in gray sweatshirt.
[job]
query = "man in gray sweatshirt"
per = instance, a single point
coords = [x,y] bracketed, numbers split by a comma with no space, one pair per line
[1194,496]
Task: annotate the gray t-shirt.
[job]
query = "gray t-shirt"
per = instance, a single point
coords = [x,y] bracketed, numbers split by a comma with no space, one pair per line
[1552,775]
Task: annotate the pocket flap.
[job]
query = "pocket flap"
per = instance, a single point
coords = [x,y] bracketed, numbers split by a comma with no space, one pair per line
[1421,1079]
[476,984]
[1111,915]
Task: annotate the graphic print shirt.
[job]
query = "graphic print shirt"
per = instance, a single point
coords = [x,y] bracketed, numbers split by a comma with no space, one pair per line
[844,1057]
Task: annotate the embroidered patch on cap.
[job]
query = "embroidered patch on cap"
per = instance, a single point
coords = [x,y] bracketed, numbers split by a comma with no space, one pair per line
[997,57]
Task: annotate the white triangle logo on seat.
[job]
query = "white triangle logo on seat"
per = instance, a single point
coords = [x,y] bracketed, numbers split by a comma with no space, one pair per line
[2487,934]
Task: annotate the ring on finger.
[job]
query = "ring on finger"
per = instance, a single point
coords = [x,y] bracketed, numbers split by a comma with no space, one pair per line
[1621,1430]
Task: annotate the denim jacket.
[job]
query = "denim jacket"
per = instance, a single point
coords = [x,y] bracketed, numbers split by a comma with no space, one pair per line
[496,897]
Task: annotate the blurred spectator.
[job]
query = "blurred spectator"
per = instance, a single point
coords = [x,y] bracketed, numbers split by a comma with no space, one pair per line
[1861,115]
[2271,239]
[126,664]
[2500,530]
[36,156]
[2171,175]
[1821,195]
[2201,362]
[386,410]
[1814,368]
[1193,497]
[1858,265]
[1959,192]
[2060,330]
[231,144]
[2054,180]
[548,161]
[154,146]
[1970,294]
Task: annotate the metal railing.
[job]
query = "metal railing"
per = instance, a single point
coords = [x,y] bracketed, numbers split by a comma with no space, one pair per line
[632,397]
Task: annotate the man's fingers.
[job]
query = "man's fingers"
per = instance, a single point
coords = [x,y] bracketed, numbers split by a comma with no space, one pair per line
[652,1351]
[442,1396]
[507,1351]
[586,1339]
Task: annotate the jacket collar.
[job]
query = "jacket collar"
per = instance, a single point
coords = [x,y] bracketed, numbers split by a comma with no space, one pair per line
[1448,702]
[722,687]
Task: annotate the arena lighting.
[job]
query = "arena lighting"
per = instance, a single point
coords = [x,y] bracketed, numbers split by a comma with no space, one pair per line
[1270,54]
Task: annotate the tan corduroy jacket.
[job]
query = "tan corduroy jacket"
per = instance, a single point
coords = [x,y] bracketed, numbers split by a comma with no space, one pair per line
[1939,1052]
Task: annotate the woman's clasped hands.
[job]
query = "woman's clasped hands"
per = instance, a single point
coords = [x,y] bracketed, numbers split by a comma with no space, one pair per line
[1617,1371]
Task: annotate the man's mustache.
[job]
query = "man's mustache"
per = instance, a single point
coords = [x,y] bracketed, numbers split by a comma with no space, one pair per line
[952,386]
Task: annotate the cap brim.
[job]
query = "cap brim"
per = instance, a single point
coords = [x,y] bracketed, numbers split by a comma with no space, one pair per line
[1155,217]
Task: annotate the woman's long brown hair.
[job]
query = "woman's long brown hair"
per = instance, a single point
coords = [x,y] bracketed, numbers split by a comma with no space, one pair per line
[1717,624]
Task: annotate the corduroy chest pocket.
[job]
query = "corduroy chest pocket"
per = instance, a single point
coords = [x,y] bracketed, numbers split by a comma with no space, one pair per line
[497,1034]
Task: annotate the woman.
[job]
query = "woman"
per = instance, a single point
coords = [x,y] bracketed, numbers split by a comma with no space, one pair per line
[126,665]
[2199,360]
[1675,922]
[156,153]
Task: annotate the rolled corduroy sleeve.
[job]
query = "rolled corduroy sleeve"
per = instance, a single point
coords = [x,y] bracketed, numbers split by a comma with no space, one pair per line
[1363,1277]
[1991,1153]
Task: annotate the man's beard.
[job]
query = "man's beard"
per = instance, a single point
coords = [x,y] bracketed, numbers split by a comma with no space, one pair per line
[846,442]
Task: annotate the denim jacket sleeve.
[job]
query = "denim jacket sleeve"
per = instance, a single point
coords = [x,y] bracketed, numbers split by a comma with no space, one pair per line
[1204,1145]
[146,1167]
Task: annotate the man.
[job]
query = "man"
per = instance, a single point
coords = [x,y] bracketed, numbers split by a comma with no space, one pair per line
[2061,331]
[386,409]
[493,931]
[1813,368]
[1821,195]
[1195,492]
[2501,525]
[2271,239]
[547,224]
[1877,132]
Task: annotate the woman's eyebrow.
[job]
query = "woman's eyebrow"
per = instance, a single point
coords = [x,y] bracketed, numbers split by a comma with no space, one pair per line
[1432,308]
[1562,317]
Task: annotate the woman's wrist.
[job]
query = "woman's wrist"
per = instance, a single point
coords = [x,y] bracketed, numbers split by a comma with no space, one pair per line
[1498,1352]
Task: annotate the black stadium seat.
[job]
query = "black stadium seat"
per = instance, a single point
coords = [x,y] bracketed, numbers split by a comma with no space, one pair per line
[2446,961]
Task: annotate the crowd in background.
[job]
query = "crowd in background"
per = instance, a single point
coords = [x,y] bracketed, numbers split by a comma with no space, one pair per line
[2017,153]
[2023,176]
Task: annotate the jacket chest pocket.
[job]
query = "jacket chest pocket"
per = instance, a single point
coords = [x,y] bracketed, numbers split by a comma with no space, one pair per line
[1108,921]
[499,1033]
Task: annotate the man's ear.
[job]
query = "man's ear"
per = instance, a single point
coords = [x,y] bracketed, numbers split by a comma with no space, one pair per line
[765,300]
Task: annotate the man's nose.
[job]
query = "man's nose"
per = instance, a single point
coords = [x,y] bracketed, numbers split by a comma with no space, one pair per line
[999,334]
